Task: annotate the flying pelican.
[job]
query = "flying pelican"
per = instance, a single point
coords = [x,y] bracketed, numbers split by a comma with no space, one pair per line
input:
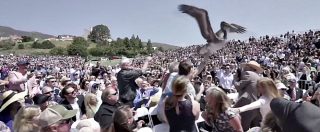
[215,41]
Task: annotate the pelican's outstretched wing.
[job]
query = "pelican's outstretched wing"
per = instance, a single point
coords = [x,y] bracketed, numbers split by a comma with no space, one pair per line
[229,28]
[202,18]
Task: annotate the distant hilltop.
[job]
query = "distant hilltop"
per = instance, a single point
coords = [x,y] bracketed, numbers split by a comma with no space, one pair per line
[8,31]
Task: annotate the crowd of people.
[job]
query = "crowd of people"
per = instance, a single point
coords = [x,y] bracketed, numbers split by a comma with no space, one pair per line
[259,85]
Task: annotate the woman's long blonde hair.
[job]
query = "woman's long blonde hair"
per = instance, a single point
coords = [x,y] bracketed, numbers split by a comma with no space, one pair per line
[222,102]
[91,107]
[24,120]
[270,87]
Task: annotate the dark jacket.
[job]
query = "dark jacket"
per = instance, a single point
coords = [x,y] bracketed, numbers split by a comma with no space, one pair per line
[296,117]
[127,85]
[80,102]
[104,114]
[299,93]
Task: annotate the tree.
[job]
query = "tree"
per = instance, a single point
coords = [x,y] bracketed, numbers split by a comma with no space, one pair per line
[99,33]
[149,46]
[44,45]
[57,51]
[140,44]
[126,43]
[27,39]
[20,46]
[80,41]
[47,45]
[74,49]
[7,44]
[160,49]
[96,51]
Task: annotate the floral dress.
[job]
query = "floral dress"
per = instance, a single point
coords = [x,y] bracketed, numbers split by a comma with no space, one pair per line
[221,123]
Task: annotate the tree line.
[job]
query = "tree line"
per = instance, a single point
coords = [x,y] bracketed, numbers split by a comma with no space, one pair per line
[100,35]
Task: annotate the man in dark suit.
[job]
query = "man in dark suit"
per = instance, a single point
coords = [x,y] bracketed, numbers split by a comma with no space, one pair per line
[73,101]
[109,105]
[248,93]
[126,80]
[295,93]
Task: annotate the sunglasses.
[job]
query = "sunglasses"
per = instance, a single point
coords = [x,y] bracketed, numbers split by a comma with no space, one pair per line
[49,92]
[71,92]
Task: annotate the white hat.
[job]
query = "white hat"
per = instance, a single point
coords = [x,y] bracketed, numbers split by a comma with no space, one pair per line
[254,65]
[9,97]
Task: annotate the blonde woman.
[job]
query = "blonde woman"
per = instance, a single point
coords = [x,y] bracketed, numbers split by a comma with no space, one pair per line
[27,119]
[180,110]
[218,114]
[91,104]
[268,90]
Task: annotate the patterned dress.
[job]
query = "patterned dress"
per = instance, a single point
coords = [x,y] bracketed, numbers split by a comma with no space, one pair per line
[221,123]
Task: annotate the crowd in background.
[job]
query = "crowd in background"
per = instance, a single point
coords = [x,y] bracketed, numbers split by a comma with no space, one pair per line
[261,84]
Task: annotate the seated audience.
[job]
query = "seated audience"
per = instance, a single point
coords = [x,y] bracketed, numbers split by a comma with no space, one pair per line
[56,119]
[27,119]
[110,103]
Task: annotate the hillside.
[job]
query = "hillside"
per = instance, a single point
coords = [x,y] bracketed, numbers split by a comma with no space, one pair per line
[7,31]
[163,45]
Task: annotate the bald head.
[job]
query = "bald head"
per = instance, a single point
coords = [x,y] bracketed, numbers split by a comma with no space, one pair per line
[125,63]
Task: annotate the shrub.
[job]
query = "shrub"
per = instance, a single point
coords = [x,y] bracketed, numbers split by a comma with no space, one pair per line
[7,44]
[77,50]
[21,46]
[57,51]
[47,44]
[44,45]
[96,51]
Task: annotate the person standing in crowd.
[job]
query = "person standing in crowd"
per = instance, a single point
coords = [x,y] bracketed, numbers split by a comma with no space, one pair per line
[295,93]
[110,103]
[268,91]
[248,93]
[42,101]
[123,121]
[91,104]
[225,77]
[21,80]
[167,80]
[27,119]
[55,97]
[181,111]
[126,80]
[72,101]
[11,103]
[144,94]
[56,119]
[217,115]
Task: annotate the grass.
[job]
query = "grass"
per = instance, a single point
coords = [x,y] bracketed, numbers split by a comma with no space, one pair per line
[28,50]
[107,62]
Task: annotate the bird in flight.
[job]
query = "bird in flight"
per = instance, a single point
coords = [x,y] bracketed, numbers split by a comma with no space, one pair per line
[215,41]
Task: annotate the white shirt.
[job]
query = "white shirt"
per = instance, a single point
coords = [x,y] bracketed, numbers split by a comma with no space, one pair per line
[170,80]
[225,80]
[75,106]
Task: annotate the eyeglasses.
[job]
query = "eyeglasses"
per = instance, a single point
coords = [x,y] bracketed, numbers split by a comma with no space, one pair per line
[49,92]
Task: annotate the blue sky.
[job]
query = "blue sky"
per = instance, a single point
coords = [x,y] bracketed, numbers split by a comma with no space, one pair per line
[159,20]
